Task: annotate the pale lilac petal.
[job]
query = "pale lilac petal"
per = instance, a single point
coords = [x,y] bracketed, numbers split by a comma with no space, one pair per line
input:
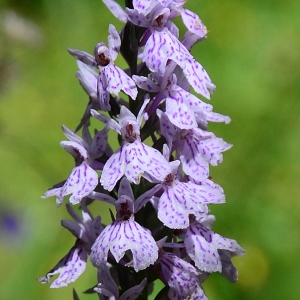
[121,236]
[212,149]
[228,269]
[106,120]
[102,197]
[99,143]
[159,17]
[144,6]
[198,294]
[201,249]
[223,243]
[116,10]
[54,192]
[179,114]
[114,42]
[193,23]
[102,92]
[173,29]
[134,160]
[73,137]
[202,245]
[137,18]
[160,47]
[143,160]
[125,189]
[76,150]
[86,136]
[87,78]
[118,80]
[181,276]
[84,57]
[183,199]
[193,162]
[113,170]
[168,130]
[82,181]
[69,268]
[198,78]
[146,84]
[216,117]
[191,100]
[126,117]
[142,115]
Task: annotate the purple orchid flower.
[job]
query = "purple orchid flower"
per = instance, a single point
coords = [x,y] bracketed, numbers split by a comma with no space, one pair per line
[111,79]
[133,159]
[202,245]
[125,234]
[181,277]
[71,266]
[83,178]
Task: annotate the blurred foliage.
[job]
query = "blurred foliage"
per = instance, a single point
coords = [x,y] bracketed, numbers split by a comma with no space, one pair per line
[251,54]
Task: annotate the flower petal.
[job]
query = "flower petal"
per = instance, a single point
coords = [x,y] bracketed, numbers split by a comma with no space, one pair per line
[121,236]
[118,80]
[69,268]
[180,275]
[116,10]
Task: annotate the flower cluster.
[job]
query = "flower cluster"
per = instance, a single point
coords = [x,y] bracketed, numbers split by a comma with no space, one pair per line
[158,178]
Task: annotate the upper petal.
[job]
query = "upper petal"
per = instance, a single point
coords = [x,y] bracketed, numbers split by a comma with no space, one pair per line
[116,10]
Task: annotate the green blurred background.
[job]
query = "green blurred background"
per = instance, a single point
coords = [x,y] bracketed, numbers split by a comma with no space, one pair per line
[251,54]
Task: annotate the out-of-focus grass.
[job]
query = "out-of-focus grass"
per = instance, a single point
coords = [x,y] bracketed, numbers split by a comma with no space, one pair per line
[251,54]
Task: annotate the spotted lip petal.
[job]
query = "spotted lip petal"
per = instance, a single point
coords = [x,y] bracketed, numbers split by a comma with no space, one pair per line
[157,51]
[82,181]
[69,268]
[201,148]
[202,245]
[117,80]
[121,236]
[134,160]
[181,199]
[180,275]
[193,23]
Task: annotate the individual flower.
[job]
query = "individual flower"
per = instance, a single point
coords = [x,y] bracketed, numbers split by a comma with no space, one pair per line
[181,277]
[71,266]
[111,79]
[183,109]
[189,18]
[180,200]
[125,234]
[133,159]
[162,45]
[202,246]
[83,178]
[196,148]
